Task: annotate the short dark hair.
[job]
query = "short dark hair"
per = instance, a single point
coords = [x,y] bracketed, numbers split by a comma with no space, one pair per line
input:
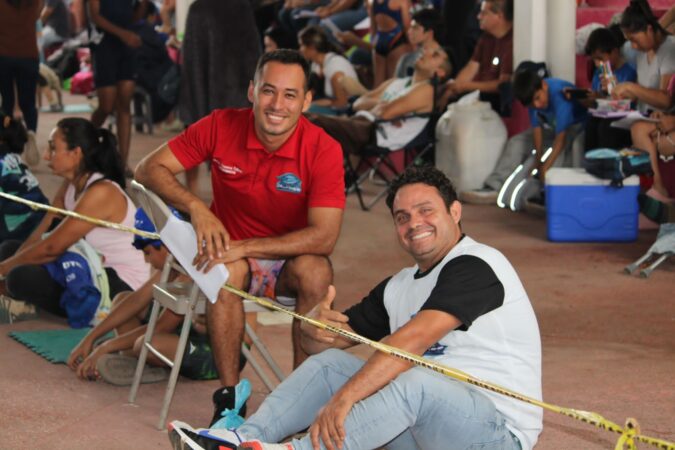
[637,16]
[284,56]
[314,36]
[526,83]
[502,6]
[430,20]
[280,37]
[13,135]
[604,40]
[428,175]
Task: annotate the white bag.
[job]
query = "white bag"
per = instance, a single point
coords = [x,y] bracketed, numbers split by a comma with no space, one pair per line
[469,140]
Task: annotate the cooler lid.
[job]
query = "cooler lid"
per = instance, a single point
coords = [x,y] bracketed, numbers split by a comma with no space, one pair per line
[577,176]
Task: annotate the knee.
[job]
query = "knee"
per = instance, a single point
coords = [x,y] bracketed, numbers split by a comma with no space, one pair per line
[138,345]
[239,272]
[312,275]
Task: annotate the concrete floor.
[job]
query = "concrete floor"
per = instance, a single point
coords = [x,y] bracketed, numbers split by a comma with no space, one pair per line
[608,338]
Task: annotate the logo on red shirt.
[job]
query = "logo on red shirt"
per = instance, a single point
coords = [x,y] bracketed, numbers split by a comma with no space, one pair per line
[289,182]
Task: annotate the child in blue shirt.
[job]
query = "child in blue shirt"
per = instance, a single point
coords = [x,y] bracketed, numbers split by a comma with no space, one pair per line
[551,111]
[557,122]
[604,47]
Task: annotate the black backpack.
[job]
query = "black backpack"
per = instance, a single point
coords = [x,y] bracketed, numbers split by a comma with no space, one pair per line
[615,165]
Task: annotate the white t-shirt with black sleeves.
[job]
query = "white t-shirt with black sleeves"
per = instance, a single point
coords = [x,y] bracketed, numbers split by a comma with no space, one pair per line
[498,340]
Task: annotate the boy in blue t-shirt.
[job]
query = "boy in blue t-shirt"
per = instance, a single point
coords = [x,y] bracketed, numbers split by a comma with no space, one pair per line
[550,111]
[557,123]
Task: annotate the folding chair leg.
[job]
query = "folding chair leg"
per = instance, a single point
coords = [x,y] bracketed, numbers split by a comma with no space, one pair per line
[630,268]
[257,368]
[144,351]
[644,273]
[265,353]
[180,351]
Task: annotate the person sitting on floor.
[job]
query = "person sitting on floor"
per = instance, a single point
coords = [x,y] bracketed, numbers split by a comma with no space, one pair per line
[557,123]
[17,221]
[461,305]
[492,61]
[115,360]
[87,158]
[394,98]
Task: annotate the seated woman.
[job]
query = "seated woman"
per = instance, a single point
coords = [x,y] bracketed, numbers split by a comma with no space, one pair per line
[17,220]
[389,22]
[337,72]
[87,158]
[655,60]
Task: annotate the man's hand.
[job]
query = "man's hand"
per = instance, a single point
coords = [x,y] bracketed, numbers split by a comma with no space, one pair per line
[236,252]
[212,237]
[329,423]
[79,353]
[323,313]
[131,39]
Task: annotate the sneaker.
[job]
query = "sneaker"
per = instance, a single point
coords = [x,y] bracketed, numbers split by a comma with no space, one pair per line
[257,445]
[230,418]
[230,405]
[12,310]
[30,151]
[120,370]
[184,437]
[56,108]
[483,196]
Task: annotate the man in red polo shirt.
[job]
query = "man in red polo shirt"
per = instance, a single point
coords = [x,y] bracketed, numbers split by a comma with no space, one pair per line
[278,199]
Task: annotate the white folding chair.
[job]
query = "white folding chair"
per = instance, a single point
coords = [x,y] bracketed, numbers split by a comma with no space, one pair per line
[185,299]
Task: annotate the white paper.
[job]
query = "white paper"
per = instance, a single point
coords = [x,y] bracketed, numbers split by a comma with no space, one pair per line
[630,119]
[181,240]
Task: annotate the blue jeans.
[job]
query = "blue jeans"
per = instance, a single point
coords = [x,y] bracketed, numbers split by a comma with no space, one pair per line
[344,20]
[420,409]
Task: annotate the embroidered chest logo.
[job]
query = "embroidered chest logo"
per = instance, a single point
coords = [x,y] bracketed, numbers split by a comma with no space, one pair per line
[230,170]
[289,182]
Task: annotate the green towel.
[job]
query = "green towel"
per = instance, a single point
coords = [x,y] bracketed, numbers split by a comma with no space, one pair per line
[53,345]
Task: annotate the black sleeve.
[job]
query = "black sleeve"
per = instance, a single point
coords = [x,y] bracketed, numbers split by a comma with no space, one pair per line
[369,317]
[467,288]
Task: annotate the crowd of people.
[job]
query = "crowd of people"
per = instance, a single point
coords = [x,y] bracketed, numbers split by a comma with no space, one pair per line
[315,82]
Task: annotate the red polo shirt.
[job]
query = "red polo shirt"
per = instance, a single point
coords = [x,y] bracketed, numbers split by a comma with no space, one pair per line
[257,193]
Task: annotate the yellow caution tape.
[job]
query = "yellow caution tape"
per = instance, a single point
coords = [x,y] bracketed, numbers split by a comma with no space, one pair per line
[630,433]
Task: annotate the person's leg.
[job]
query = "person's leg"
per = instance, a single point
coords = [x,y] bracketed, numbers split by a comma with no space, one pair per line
[293,405]
[306,277]
[26,87]
[641,134]
[351,132]
[7,71]
[106,104]
[125,92]
[435,409]
[379,69]
[225,319]
[393,57]
[517,149]
[33,284]
[132,323]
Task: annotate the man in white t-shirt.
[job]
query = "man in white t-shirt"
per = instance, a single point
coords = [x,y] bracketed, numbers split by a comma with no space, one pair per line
[461,305]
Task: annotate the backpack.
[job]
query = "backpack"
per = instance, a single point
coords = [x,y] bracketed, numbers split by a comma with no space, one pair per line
[615,165]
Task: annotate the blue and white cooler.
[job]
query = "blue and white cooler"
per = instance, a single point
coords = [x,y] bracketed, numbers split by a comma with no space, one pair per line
[583,208]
